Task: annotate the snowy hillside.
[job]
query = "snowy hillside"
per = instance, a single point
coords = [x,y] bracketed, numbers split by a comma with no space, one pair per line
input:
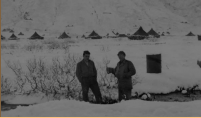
[81,16]
[190,9]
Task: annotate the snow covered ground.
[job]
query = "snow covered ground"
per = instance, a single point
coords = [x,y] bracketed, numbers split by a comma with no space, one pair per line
[179,69]
[132,108]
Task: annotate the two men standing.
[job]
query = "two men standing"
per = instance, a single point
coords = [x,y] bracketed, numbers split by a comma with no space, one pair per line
[87,75]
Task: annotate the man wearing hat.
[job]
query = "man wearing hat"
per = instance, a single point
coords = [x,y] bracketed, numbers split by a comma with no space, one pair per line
[123,72]
[87,75]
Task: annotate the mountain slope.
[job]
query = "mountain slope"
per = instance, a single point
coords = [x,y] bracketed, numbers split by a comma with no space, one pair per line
[189,9]
[78,16]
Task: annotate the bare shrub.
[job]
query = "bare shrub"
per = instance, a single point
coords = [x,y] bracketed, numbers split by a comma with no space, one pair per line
[36,75]
[5,85]
[107,83]
[104,48]
[20,80]
[57,79]
[65,46]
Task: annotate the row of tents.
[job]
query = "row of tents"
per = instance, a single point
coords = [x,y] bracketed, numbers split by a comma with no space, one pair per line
[138,35]
[14,37]
[92,35]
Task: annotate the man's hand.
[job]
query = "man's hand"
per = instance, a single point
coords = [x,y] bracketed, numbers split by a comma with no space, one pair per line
[109,70]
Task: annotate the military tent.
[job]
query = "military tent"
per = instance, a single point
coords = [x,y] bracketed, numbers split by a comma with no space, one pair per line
[190,34]
[140,32]
[20,33]
[153,33]
[163,34]
[64,36]
[83,36]
[13,37]
[94,35]
[199,37]
[199,63]
[36,36]
[2,37]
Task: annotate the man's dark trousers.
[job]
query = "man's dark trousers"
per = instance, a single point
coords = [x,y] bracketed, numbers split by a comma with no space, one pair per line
[90,82]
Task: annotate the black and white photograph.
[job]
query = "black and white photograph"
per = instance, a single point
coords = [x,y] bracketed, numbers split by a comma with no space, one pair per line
[101,58]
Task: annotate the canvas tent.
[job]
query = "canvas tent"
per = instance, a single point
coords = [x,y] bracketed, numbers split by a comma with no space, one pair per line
[140,34]
[64,36]
[2,37]
[20,33]
[199,37]
[153,33]
[190,34]
[94,35]
[163,34]
[36,36]
[13,37]
[199,63]
[83,36]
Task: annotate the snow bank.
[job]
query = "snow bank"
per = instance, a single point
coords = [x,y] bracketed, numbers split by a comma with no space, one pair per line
[132,108]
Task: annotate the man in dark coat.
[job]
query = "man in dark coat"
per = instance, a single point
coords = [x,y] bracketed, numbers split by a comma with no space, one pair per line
[123,71]
[87,75]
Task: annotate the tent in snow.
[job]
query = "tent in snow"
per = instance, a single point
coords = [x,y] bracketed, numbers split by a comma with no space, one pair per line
[163,34]
[83,36]
[13,37]
[199,63]
[20,33]
[190,34]
[94,35]
[36,36]
[140,32]
[2,37]
[153,33]
[199,37]
[64,36]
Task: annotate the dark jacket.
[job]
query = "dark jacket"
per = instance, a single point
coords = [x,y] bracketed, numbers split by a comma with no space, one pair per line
[84,71]
[124,71]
